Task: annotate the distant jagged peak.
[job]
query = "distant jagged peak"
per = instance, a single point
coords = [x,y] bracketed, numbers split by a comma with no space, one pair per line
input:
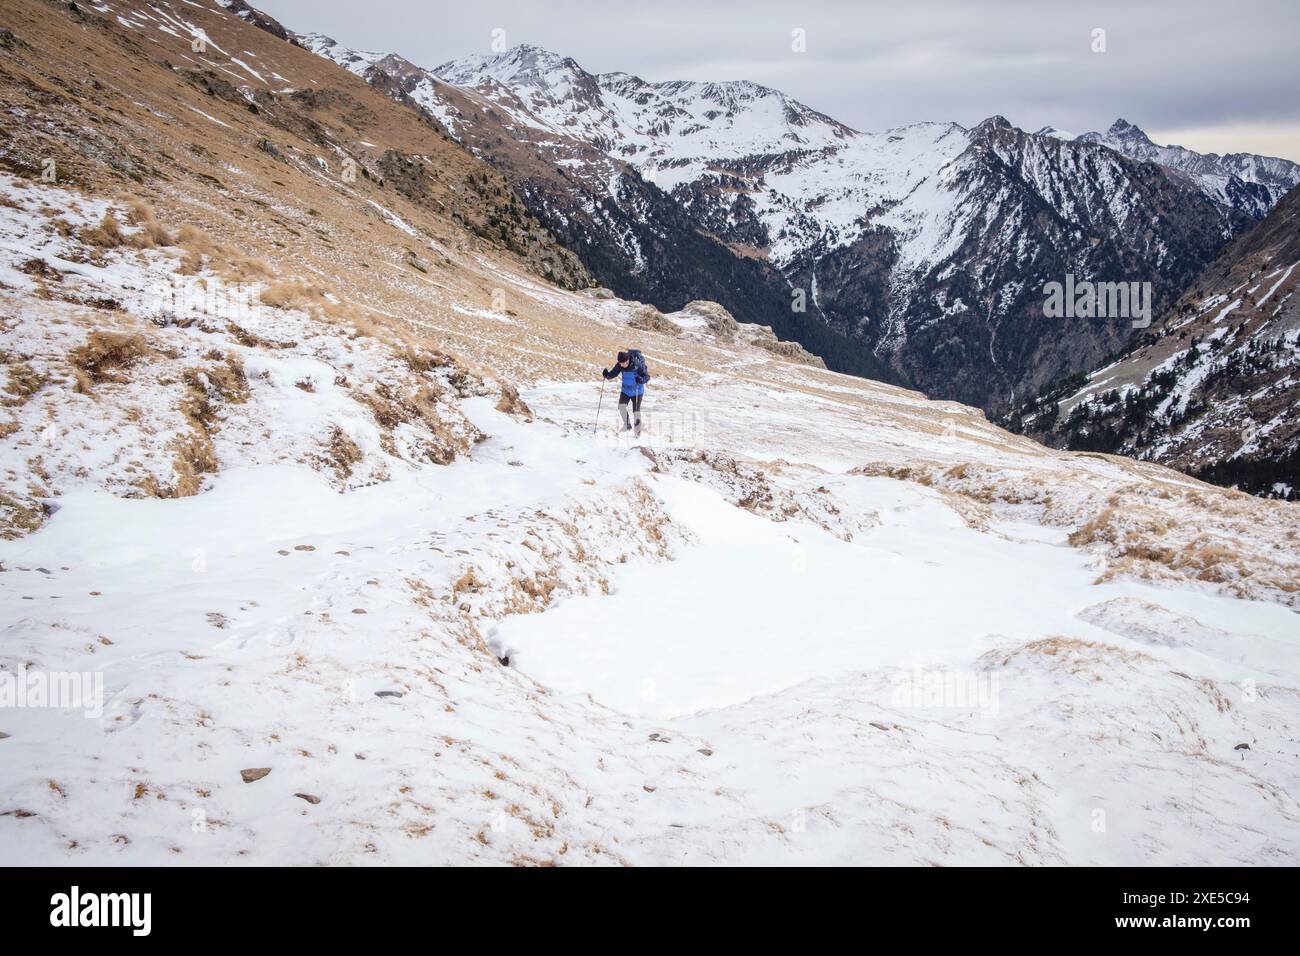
[1123,129]
[530,68]
[1120,133]
[995,128]
[522,64]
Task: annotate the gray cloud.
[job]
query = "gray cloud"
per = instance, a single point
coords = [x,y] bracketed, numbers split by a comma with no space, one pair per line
[1195,65]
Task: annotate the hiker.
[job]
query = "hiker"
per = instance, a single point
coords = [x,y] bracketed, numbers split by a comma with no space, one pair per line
[631,365]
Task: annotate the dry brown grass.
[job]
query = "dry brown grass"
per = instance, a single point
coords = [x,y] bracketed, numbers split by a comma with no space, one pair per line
[24,382]
[1078,657]
[1143,526]
[241,268]
[196,245]
[342,453]
[293,294]
[512,404]
[468,582]
[226,379]
[19,517]
[150,232]
[195,454]
[104,357]
[424,360]
[419,407]
[252,341]
[107,235]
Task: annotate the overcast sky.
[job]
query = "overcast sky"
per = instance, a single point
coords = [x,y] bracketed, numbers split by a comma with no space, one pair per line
[1215,76]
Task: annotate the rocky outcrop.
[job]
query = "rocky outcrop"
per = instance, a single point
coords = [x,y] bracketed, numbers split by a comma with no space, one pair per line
[714,320]
[763,337]
[720,323]
[646,318]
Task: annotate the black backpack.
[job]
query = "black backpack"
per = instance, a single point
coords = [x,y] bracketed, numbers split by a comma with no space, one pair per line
[638,365]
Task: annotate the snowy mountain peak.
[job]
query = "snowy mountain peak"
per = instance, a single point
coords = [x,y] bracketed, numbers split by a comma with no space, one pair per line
[995,121]
[522,65]
[357,61]
[1054,132]
[1123,129]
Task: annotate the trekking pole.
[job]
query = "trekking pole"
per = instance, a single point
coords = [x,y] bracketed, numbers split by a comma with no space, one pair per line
[596,423]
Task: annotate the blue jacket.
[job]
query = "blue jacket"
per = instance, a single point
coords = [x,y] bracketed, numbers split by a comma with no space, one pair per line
[632,384]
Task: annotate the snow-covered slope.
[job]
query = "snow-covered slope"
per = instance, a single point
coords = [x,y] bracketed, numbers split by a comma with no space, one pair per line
[721,647]
[363,578]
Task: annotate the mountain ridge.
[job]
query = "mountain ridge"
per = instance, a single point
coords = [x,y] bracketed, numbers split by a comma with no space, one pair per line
[877,236]
[1212,388]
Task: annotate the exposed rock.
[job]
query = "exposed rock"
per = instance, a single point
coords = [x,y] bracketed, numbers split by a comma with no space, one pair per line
[404,173]
[415,262]
[309,797]
[646,318]
[257,18]
[268,147]
[763,337]
[720,322]
[512,404]
[254,774]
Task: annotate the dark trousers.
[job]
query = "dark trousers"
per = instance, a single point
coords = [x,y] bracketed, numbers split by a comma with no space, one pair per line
[624,400]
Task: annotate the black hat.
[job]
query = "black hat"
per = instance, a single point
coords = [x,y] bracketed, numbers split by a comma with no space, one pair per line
[623,357]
